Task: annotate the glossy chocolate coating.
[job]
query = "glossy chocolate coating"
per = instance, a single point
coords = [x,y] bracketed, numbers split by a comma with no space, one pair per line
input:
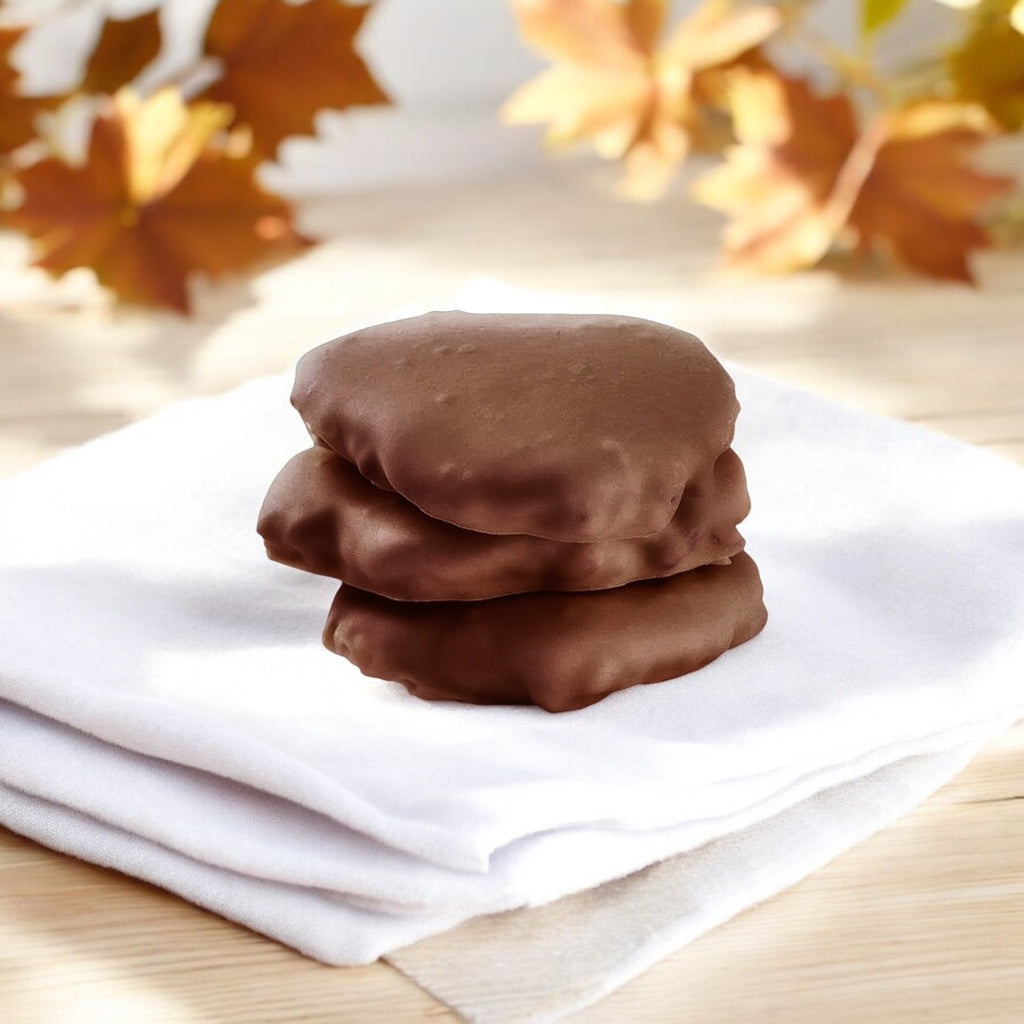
[559,651]
[322,516]
[572,428]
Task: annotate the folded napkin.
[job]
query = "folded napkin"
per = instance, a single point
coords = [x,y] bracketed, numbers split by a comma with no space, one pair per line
[211,819]
[550,965]
[567,955]
[138,606]
[147,640]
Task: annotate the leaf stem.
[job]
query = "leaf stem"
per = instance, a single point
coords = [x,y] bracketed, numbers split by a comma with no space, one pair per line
[856,69]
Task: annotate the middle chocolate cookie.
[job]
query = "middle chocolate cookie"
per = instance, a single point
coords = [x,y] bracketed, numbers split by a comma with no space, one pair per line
[323,516]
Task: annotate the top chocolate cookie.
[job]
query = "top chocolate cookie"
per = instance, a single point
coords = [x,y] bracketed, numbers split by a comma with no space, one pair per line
[573,428]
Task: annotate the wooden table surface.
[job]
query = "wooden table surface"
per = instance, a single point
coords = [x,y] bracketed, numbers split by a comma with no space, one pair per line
[925,922]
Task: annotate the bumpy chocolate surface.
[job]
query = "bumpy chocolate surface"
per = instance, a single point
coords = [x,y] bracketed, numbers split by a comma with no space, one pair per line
[322,516]
[559,651]
[573,428]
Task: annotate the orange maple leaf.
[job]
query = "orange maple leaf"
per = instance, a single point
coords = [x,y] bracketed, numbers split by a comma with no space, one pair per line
[154,202]
[282,62]
[920,197]
[17,112]
[615,82]
[123,49]
[775,184]
[803,175]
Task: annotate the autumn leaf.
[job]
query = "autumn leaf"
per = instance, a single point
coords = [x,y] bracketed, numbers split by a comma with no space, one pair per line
[156,201]
[618,82]
[921,197]
[282,62]
[876,14]
[776,183]
[803,175]
[124,48]
[17,113]
[989,66]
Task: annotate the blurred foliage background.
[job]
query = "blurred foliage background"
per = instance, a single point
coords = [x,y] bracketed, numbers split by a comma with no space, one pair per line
[150,171]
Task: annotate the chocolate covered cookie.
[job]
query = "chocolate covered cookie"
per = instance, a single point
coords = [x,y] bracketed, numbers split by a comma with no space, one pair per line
[323,516]
[559,651]
[571,428]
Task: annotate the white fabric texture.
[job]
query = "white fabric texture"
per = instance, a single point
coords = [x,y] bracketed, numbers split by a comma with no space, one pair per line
[555,959]
[567,955]
[138,605]
[211,819]
[209,743]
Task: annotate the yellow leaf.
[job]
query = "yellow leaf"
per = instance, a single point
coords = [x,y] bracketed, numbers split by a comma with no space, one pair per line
[718,32]
[988,67]
[578,103]
[612,85]
[876,14]
[586,32]
[931,116]
[164,137]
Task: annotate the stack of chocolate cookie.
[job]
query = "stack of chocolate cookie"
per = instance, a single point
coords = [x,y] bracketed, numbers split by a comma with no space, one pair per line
[522,508]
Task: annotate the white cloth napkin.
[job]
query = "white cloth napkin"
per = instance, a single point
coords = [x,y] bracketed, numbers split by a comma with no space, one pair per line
[553,959]
[147,640]
[564,956]
[138,605]
[214,820]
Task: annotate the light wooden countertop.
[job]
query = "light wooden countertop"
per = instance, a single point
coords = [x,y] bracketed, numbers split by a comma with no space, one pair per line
[925,922]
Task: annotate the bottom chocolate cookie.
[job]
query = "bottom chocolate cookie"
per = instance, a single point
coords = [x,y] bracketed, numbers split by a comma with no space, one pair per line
[559,651]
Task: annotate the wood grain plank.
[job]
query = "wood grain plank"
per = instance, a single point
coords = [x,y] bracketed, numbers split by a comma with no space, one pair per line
[81,943]
[922,923]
